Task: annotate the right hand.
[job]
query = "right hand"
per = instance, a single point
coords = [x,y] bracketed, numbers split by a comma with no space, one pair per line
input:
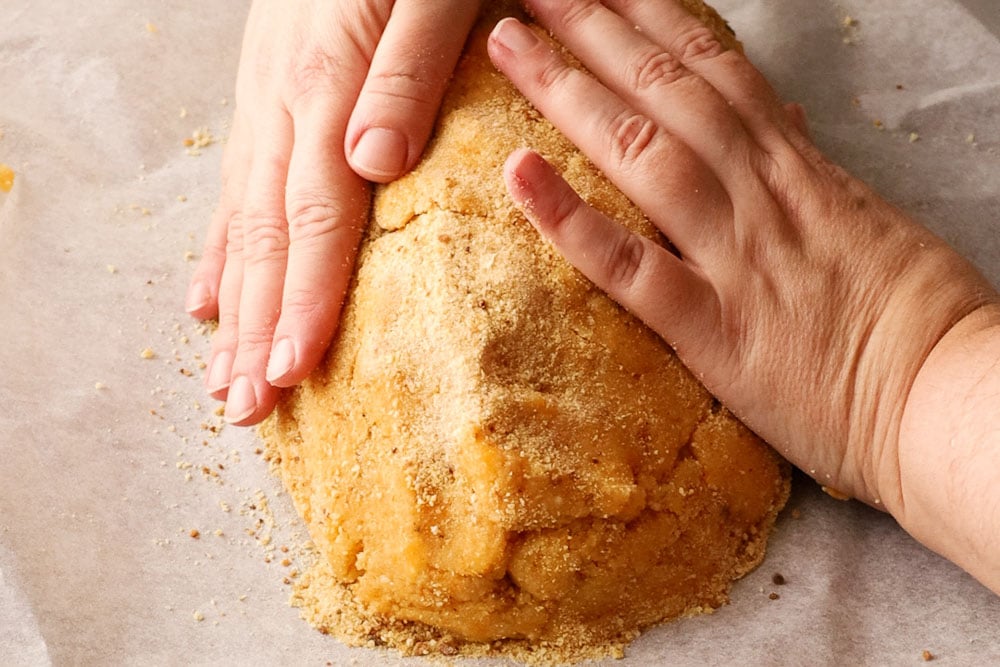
[329,94]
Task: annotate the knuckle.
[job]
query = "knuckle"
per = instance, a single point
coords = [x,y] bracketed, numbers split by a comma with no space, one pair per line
[395,87]
[576,14]
[228,324]
[631,135]
[317,74]
[265,238]
[696,44]
[552,74]
[624,261]
[304,306]
[312,217]
[564,210]
[255,338]
[234,236]
[654,68]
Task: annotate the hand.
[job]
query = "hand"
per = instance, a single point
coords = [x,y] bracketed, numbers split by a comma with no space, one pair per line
[801,299]
[328,94]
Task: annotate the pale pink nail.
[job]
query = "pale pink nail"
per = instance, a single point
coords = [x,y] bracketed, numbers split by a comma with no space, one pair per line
[220,371]
[197,298]
[242,401]
[282,360]
[512,34]
[380,151]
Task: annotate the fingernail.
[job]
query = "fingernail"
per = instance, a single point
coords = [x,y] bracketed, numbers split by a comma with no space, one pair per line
[282,360]
[242,401]
[218,374]
[512,34]
[197,298]
[380,151]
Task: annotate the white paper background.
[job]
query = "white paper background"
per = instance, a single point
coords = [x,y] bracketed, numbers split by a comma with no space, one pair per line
[96,563]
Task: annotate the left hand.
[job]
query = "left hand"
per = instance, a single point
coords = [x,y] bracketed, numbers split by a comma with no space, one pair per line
[801,299]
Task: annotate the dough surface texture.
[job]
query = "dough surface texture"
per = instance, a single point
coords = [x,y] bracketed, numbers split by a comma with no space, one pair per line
[493,449]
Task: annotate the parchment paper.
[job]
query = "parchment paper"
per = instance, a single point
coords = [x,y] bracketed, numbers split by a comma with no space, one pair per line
[103,470]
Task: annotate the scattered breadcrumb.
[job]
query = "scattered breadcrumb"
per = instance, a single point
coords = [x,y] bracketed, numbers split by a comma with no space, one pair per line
[6,178]
[199,139]
[849,26]
[183,112]
[198,616]
[182,198]
[188,255]
[927,656]
[914,137]
[778,579]
[773,596]
[147,353]
[151,27]
[112,268]
[834,493]
[195,533]
[100,386]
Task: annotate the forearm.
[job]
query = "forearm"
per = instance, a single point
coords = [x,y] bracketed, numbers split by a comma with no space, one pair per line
[949,449]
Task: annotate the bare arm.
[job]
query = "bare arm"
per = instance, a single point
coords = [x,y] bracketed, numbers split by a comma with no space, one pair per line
[949,449]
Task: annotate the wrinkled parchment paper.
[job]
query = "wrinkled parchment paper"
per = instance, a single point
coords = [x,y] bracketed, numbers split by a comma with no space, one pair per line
[109,461]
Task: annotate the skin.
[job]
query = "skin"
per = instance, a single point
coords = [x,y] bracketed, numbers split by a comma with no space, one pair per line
[848,336]
[329,96]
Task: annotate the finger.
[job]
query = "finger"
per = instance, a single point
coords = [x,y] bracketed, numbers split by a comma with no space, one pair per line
[264,253]
[661,174]
[737,80]
[636,272]
[798,118]
[409,72]
[326,205]
[202,299]
[654,81]
[226,336]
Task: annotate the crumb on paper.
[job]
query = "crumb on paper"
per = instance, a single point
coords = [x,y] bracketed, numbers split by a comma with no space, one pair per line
[927,656]
[848,27]
[970,139]
[182,198]
[100,386]
[6,178]
[112,268]
[198,616]
[151,28]
[147,353]
[188,255]
[778,579]
[914,137]
[834,493]
[879,125]
[199,139]
[773,596]
[183,112]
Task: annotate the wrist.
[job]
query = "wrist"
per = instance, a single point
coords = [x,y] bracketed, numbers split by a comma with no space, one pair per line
[949,448]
